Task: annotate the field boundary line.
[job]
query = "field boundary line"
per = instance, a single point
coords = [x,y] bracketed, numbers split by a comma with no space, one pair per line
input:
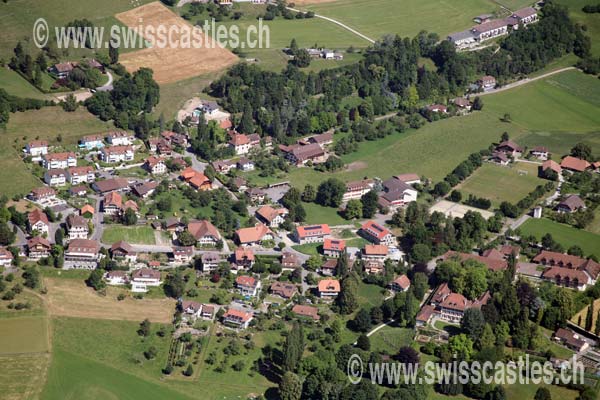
[357,33]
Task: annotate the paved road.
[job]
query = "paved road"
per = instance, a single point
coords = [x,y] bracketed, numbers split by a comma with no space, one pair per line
[108,86]
[525,81]
[357,33]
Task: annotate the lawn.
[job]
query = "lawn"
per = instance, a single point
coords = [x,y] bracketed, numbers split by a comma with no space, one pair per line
[594,226]
[498,183]
[23,335]
[311,249]
[376,18]
[389,339]
[134,235]
[369,295]
[317,214]
[16,85]
[566,235]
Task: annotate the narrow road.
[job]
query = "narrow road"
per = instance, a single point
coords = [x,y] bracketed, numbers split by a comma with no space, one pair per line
[525,81]
[357,33]
[108,86]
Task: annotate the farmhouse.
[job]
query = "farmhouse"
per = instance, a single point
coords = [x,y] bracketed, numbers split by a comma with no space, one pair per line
[210,261]
[552,165]
[540,152]
[82,252]
[243,258]
[377,234]
[114,154]
[312,233]
[324,139]
[283,289]
[62,70]
[306,311]
[270,216]
[59,160]
[334,247]
[574,164]
[248,285]
[328,288]
[143,278]
[38,222]
[509,148]
[6,257]
[237,318]
[91,142]
[36,148]
[300,155]
[112,203]
[155,165]
[77,226]
[42,194]
[55,177]
[499,158]
[122,250]
[356,189]
[254,235]
[571,204]
[400,284]
[38,247]
[119,138]
[205,233]
[79,175]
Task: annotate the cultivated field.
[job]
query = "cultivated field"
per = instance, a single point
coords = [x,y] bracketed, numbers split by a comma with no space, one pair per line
[498,183]
[566,235]
[135,235]
[71,298]
[172,64]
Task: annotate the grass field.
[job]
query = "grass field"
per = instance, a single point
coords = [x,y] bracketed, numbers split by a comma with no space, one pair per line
[498,183]
[591,21]
[389,339]
[135,235]
[563,234]
[174,95]
[71,298]
[16,85]
[23,335]
[317,214]
[376,18]
[25,377]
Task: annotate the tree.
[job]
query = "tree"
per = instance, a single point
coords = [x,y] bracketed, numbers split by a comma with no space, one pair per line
[189,371]
[589,317]
[542,393]
[487,338]
[420,253]
[70,104]
[293,348]
[362,321]
[369,202]
[462,346]
[341,267]
[477,104]
[330,192]
[583,151]
[456,196]
[290,387]
[363,342]
[441,188]
[145,327]
[185,238]
[7,236]
[31,277]
[473,323]
[302,58]
[354,209]
[347,299]
[174,285]
[309,194]
[247,123]
[150,353]
[95,279]
[113,53]
[130,217]
[408,355]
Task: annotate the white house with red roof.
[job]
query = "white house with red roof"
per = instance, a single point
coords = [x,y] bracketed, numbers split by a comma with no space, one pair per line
[248,285]
[6,257]
[400,284]
[334,247]
[36,149]
[143,278]
[312,233]
[114,154]
[237,318]
[59,160]
[254,235]
[328,288]
[377,234]
[38,221]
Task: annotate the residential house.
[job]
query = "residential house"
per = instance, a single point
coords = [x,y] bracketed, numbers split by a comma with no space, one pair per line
[119,138]
[540,152]
[301,155]
[509,148]
[306,311]
[243,258]
[245,164]
[115,154]
[79,191]
[91,142]
[36,149]
[356,189]
[143,278]
[62,70]
[522,17]
[462,103]
[176,139]
[270,216]
[329,267]
[223,167]
[375,252]
[210,261]
[183,254]
[490,30]
[240,143]
[38,221]
[334,247]
[6,257]
[312,233]
[122,250]
[145,190]
[155,165]
[172,225]
[77,226]
[374,267]
[254,235]
[237,318]
[38,247]
[116,278]
[112,203]
[499,158]
[400,284]
[571,204]
[79,175]
[552,165]
[328,288]
[574,164]
[59,160]
[284,289]
[55,177]
[191,310]
[571,340]
[83,253]
[205,233]
[377,234]
[196,179]
[437,108]
[289,260]
[396,193]
[425,315]
[208,312]
[256,195]
[248,285]
[42,194]
[487,82]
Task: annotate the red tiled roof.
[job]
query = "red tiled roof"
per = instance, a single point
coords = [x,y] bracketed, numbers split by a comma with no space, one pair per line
[252,234]
[402,281]
[575,164]
[36,216]
[242,316]
[553,165]
[200,229]
[376,250]
[329,285]
[375,230]
[334,244]
[313,230]
[306,311]
[242,253]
